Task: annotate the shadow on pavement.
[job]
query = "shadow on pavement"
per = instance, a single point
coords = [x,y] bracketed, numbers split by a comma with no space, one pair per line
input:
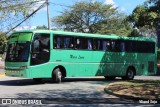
[19,82]
[26,82]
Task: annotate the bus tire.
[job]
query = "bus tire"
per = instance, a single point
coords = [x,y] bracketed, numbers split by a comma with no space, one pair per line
[57,75]
[129,74]
[109,77]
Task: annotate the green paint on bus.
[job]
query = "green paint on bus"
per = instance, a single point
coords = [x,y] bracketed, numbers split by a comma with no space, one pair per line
[78,54]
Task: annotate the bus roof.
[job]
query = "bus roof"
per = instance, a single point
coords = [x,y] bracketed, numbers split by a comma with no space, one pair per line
[109,36]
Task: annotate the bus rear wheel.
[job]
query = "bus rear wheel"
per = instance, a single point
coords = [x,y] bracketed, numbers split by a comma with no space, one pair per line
[57,75]
[129,74]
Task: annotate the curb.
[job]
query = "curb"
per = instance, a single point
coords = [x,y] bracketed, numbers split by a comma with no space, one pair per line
[123,96]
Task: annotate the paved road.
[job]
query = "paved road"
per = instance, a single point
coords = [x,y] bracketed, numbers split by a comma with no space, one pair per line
[82,90]
[79,87]
[72,87]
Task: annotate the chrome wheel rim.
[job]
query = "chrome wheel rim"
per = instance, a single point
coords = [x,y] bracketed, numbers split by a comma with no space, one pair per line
[59,75]
[130,74]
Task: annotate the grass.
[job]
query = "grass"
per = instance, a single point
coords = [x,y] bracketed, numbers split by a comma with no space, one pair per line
[146,89]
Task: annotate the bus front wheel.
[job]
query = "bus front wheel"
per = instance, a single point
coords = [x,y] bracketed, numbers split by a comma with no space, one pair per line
[129,74]
[57,75]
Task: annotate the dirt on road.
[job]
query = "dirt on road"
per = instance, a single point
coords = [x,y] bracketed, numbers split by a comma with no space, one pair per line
[143,89]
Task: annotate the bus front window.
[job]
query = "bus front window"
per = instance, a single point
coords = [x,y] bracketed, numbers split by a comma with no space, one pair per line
[18,52]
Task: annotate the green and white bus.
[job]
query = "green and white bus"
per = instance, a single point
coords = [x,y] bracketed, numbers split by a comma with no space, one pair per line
[41,54]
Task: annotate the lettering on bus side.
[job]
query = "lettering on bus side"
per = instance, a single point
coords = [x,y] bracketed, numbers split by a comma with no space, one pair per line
[80,57]
[73,57]
[76,57]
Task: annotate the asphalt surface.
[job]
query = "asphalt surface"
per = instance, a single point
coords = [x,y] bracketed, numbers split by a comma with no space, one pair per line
[71,92]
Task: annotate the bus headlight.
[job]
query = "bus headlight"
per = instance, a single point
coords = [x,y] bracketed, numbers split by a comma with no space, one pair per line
[23,67]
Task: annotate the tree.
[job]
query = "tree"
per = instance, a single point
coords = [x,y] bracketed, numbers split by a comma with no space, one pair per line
[154,8]
[92,18]
[118,25]
[146,15]
[146,18]
[13,11]
[42,27]
[143,17]
[3,38]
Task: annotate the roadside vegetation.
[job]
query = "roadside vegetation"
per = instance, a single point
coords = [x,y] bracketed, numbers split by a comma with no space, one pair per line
[144,89]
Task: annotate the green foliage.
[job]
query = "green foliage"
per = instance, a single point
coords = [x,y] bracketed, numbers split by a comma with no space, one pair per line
[3,38]
[92,18]
[13,10]
[140,17]
[3,41]
[146,15]
[135,33]
[117,25]
[154,8]
[42,27]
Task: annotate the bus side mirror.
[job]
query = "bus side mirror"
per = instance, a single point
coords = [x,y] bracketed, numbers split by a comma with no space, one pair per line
[36,46]
[2,49]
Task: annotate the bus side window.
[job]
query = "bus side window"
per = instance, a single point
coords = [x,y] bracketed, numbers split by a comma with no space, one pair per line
[63,42]
[113,46]
[97,45]
[94,44]
[78,43]
[129,46]
[58,42]
[106,45]
[151,46]
[122,47]
[54,43]
[66,42]
[45,41]
[71,44]
[119,46]
[81,43]
[89,44]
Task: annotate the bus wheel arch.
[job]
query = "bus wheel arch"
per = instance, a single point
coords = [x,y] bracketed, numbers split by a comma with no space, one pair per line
[130,73]
[58,73]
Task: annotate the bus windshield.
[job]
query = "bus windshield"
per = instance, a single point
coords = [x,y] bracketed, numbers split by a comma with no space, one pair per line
[18,52]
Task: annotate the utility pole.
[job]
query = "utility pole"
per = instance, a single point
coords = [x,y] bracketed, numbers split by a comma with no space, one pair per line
[48,17]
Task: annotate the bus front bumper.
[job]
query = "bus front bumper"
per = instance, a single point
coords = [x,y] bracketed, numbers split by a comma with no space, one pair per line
[17,73]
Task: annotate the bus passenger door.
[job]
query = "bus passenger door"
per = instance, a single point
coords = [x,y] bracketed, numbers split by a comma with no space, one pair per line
[40,49]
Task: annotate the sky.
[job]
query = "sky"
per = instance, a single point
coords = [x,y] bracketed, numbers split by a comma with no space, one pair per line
[57,6]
